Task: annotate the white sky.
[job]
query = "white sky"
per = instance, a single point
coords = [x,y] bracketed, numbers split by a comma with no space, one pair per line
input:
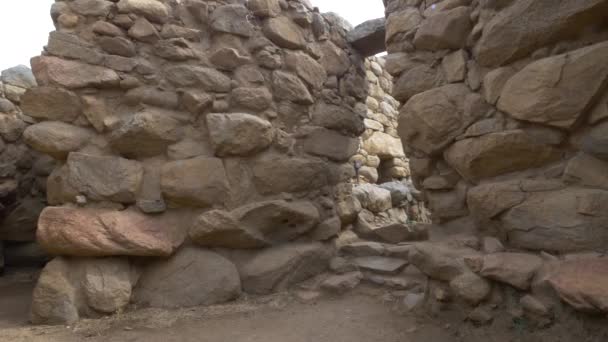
[25,24]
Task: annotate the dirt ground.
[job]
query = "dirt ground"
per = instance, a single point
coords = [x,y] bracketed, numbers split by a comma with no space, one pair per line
[366,314]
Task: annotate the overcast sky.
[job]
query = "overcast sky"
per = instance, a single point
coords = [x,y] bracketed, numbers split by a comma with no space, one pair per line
[25,24]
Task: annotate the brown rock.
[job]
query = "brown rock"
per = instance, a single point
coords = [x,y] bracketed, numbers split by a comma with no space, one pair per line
[49,103]
[342,283]
[516,269]
[288,87]
[101,232]
[307,68]
[401,23]
[72,74]
[444,30]
[441,261]
[118,46]
[177,282]
[255,99]
[143,31]
[228,58]
[218,228]
[587,170]
[231,19]
[194,76]
[327,143]
[498,153]
[339,118]
[582,283]
[335,61]
[56,138]
[238,134]
[471,287]
[285,33]
[105,178]
[541,92]
[199,182]
[488,200]
[277,175]
[153,10]
[264,8]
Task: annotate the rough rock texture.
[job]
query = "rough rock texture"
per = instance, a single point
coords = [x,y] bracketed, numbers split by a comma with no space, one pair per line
[503,119]
[211,125]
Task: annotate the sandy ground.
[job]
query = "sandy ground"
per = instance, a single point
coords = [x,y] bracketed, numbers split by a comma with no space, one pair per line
[366,314]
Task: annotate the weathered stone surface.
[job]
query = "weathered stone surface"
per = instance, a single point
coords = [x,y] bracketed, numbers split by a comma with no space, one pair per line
[327,229]
[342,283]
[562,221]
[199,182]
[218,228]
[285,33]
[431,120]
[72,74]
[582,283]
[330,144]
[364,248]
[488,200]
[278,221]
[368,37]
[107,283]
[441,261]
[20,223]
[455,66]
[417,79]
[444,30]
[373,198]
[516,269]
[238,134]
[54,298]
[595,142]
[401,23]
[289,87]
[177,282]
[144,31]
[498,153]
[383,146]
[470,287]
[51,103]
[232,19]
[335,61]
[338,118]
[99,8]
[276,268]
[277,175]
[494,82]
[195,76]
[587,170]
[307,68]
[153,10]
[527,25]
[228,58]
[105,178]
[102,232]
[542,91]
[256,99]
[18,76]
[145,134]
[56,138]
[264,8]
[382,265]
[118,46]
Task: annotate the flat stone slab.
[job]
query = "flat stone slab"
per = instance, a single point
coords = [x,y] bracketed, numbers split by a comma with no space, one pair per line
[381,265]
[368,38]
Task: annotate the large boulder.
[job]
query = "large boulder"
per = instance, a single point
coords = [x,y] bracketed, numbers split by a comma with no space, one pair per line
[199,182]
[238,134]
[276,268]
[568,220]
[373,197]
[264,8]
[19,76]
[368,37]
[498,153]
[307,68]
[101,232]
[595,142]
[542,91]
[71,74]
[338,118]
[146,134]
[232,19]
[153,10]
[217,228]
[50,103]
[330,144]
[208,79]
[276,175]
[285,33]
[431,120]
[489,200]
[70,288]
[105,178]
[587,170]
[278,221]
[384,146]
[526,25]
[582,283]
[191,277]
[289,87]
[516,269]
[57,139]
[445,30]
[441,261]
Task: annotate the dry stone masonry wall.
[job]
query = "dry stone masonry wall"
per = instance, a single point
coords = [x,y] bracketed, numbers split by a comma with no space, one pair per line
[504,120]
[203,149]
[23,174]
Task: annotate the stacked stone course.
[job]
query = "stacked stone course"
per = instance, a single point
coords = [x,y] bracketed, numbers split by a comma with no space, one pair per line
[203,148]
[504,121]
[23,175]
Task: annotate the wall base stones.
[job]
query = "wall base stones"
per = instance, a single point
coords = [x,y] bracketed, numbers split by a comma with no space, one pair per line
[502,109]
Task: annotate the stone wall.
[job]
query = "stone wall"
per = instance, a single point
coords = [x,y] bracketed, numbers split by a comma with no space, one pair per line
[504,120]
[203,150]
[23,174]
